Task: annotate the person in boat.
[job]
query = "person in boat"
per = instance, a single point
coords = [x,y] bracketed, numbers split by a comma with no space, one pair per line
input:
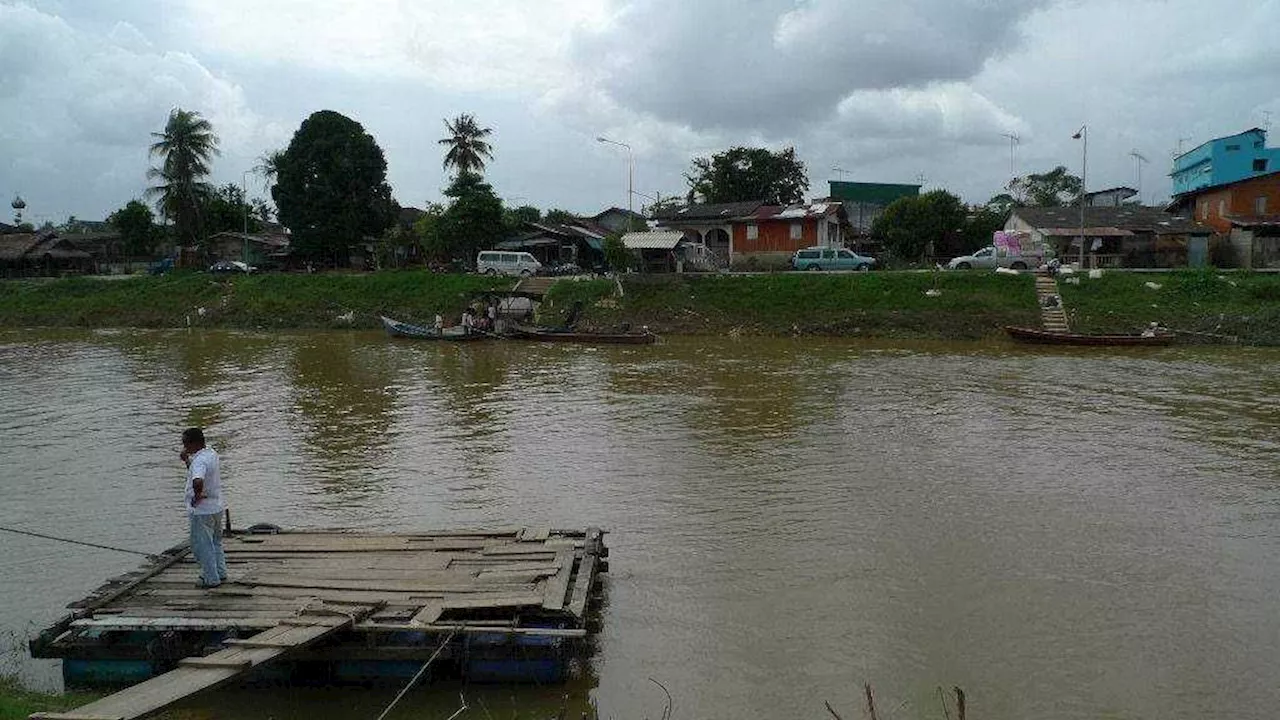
[204,507]
[467,321]
[1151,330]
[438,324]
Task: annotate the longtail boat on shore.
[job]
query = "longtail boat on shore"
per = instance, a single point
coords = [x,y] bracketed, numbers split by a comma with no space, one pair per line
[520,332]
[1050,337]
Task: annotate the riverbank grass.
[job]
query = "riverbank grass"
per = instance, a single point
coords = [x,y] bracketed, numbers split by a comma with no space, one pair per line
[269,300]
[877,304]
[1200,303]
[17,702]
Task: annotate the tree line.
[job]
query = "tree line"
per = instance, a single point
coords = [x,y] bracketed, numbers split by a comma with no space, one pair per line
[329,188]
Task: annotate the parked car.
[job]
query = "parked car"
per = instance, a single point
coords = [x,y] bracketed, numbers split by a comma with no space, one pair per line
[494,262]
[827,258]
[991,257]
[160,267]
[226,267]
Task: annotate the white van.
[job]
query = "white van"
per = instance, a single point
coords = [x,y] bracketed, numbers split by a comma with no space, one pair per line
[494,262]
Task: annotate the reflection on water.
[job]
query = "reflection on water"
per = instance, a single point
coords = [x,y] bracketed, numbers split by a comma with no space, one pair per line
[1074,534]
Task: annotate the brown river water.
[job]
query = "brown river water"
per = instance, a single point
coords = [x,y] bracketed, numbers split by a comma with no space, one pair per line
[1064,534]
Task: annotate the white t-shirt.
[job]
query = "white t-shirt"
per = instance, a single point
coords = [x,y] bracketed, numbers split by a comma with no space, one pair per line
[205,465]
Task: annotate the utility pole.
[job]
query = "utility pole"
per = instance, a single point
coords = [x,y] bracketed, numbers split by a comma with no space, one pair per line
[1014,141]
[841,173]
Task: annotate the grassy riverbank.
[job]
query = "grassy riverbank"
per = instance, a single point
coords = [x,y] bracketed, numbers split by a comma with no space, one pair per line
[270,300]
[17,702]
[1199,303]
[966,305]
[947,305]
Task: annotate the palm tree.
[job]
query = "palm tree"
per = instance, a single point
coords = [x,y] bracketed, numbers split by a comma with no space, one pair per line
[269,165]
[467,147]
[185,148]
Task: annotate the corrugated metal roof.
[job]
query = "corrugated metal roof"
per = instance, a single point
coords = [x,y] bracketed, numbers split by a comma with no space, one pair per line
[652,240]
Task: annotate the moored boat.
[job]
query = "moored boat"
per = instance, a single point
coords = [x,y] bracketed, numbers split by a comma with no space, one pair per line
[552,335]
[396,328]
[1050,337]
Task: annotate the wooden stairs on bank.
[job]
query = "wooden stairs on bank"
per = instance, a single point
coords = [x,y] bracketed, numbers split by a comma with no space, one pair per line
[537,286]
[1053,316]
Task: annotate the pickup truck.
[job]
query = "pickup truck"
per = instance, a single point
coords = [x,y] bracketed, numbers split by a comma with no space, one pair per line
[991,257]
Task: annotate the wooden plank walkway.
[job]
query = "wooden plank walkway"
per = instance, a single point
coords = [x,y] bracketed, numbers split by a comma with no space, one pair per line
[198,674]
[1053,316]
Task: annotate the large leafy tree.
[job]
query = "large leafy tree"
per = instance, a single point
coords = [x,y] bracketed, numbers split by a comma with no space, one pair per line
[513,219]
[911,226]
[472,222]
[740,174]
[468,148]
[137,228]
[185,148]
[1055,188]
[979,226]
[331,188]
[226,209]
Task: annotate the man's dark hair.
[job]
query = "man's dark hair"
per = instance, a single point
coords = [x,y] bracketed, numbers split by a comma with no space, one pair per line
[194,435]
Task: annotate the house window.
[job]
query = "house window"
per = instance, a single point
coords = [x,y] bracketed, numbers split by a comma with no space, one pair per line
[1260,165]
[1260,205]
[1202,209]
[753,232]
[1222,208]
[797,231]
[1231,148]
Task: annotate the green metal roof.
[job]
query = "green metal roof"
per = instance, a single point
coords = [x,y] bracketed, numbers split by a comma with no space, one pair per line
[873,193]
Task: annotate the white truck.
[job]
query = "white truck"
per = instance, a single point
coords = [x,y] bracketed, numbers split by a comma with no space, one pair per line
[1014,250]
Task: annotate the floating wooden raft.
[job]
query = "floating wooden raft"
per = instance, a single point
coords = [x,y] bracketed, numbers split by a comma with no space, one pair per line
[196,674]
[291,589]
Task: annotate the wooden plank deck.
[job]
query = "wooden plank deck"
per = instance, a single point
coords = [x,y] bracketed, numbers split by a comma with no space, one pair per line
[295,589]
[511,577]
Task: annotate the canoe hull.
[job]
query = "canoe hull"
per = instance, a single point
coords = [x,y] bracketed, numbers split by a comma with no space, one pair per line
[395,328]
[1046,337]
[644,338]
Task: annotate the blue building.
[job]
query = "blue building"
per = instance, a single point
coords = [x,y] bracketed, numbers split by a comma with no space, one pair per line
[1224,160]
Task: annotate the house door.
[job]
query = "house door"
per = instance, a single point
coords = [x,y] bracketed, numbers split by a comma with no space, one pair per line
[717,241]
[1197,250]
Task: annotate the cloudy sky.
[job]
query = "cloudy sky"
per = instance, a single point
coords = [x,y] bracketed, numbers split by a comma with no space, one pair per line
[887,90]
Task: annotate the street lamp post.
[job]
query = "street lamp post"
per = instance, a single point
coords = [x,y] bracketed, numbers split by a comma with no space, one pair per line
[1083,134]
[244,199]
[631,171]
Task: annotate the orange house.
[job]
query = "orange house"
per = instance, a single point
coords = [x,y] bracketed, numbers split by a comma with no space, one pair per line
[1246,212]
[777,231]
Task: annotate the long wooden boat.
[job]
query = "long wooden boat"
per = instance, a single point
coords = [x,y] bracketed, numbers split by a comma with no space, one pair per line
[521,332]
[396,328]
[1049,337]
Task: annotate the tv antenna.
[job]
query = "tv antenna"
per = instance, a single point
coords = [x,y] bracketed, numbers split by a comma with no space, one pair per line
[1138,160]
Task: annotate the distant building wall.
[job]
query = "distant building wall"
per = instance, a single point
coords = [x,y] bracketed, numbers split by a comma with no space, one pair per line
[775,236]
[1224,160]
[1259,196]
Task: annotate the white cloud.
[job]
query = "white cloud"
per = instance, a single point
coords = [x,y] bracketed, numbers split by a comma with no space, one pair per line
[82,105]
[482,45]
